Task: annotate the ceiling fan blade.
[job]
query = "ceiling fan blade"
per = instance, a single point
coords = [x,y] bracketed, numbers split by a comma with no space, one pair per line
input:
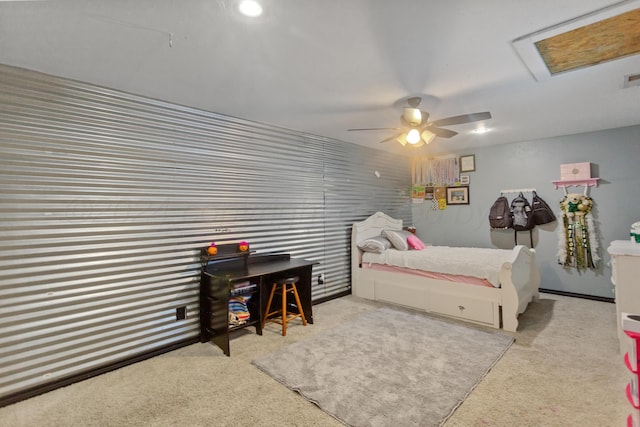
[391,138]
[442,133]
[373,129]
[465,118]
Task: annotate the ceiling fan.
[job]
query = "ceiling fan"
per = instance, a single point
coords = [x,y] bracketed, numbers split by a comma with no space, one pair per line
[417,130]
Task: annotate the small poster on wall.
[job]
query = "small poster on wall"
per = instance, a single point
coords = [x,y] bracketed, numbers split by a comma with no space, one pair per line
[440,194]
[429,193]
[418,193]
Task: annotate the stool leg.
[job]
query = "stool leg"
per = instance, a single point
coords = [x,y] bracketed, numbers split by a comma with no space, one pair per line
[284,310]
[266,313]
[295,294]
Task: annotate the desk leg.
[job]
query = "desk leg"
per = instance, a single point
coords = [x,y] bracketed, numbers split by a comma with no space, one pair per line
[214,309]
[304,292]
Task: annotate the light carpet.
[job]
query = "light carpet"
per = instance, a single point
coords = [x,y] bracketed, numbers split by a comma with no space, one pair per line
[388,367]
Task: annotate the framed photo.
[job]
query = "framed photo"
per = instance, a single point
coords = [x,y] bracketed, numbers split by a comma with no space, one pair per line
[458,195]
[429,193]
[468,163]
[464,179]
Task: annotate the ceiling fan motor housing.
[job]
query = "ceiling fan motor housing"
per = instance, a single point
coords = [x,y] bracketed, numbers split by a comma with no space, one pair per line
[413,116]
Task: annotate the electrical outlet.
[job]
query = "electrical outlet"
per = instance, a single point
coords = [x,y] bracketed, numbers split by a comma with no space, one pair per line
[181,313]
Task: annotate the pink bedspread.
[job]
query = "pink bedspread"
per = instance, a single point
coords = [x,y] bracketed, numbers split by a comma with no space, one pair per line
[441,276]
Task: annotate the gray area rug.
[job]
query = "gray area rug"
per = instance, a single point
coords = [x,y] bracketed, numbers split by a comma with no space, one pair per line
[388,367]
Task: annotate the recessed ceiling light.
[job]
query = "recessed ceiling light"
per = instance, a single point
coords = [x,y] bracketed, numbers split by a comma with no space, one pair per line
[481,130]
[250,8]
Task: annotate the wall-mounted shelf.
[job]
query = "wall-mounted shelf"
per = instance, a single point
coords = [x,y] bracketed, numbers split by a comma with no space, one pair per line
[586,182]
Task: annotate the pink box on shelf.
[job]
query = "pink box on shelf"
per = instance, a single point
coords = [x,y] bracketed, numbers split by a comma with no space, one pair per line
[575,171]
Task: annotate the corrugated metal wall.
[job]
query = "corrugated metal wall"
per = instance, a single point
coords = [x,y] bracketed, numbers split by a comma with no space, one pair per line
[107,198]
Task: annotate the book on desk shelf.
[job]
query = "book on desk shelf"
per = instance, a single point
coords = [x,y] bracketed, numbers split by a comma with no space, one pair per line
[244,287]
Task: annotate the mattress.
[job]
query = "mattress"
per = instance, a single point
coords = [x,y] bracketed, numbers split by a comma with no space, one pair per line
[481,263]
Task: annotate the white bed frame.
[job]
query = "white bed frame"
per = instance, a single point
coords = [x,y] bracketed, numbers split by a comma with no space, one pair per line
[495,307]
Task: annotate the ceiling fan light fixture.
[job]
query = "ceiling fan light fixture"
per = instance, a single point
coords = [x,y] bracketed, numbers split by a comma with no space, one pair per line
[250,8]
[413,136]
[417,130]
[402,139]
[412,115]
[427,136]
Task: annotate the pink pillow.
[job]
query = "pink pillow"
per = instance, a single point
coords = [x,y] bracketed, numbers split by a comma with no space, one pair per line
[415,243]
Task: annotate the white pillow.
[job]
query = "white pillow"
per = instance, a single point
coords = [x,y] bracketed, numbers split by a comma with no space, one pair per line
[398,238]
[376,244]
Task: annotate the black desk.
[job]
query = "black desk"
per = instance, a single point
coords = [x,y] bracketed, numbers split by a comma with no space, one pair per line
[220,273]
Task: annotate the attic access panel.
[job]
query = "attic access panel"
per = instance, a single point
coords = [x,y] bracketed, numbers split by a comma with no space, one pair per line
[582,41]
[592,44]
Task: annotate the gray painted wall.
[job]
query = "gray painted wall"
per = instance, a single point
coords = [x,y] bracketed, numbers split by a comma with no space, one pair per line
[615,158]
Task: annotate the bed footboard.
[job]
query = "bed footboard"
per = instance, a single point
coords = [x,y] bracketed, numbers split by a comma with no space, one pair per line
[520,281]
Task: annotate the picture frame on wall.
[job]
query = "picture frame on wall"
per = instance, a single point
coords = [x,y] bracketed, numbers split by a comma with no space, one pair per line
[458,195]
[464,179]
[468,163]
[429,193]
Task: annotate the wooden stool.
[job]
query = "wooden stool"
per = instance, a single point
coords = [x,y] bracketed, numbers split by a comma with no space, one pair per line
[284,287]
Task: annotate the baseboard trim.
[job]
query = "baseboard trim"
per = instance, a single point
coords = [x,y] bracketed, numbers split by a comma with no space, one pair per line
[329,298]
[42,389]
[576,295]
[36,391]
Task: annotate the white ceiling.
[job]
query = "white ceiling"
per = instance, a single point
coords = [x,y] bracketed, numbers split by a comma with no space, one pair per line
[323,66]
